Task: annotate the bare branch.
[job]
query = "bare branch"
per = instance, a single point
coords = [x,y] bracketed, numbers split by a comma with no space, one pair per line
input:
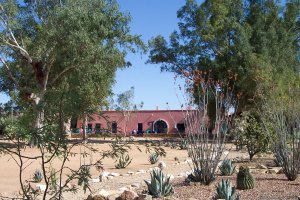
[57,77]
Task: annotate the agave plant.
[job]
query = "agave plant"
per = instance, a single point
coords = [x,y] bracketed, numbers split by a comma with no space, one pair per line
[37,176]
[160,185]
[226,191]
[123,161]
[183,145]
[153,158]
[227,168]
[173,145]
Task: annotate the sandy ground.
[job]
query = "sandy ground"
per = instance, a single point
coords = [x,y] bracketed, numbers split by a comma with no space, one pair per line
[9,170]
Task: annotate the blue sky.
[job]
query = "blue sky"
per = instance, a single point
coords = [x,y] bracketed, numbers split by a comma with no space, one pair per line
[149,19]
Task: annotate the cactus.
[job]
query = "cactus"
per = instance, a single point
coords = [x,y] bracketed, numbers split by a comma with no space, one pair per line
[183,145]
[173,145]
[153,158]
[226,191]
[227,168]
[244,179]
[123,161]
[37,176]
[160,185]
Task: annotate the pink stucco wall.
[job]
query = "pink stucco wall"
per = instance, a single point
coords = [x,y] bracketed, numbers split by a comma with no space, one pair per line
[146,118]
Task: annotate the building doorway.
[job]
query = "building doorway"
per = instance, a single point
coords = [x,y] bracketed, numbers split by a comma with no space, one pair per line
[140,128]
[160,126]
[114,127]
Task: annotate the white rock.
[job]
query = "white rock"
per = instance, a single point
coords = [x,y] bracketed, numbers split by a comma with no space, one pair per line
[125,175]
[141,171]
[110,177]
[130,172]
[225,153]
[103,193]
[114,174]
[95,180]
[135,185]
[41,187]
[122,189]
[104,174]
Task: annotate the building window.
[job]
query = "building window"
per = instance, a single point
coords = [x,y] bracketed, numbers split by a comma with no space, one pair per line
[114,127]
[180,127]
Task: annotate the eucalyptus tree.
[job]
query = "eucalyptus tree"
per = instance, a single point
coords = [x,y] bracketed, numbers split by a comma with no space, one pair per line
[62,49]
[245,37]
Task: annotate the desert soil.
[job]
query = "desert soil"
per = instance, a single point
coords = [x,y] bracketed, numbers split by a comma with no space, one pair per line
[269,186]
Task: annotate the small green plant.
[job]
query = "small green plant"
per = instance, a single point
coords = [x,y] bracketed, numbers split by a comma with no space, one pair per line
[123,161]
[37,176]
[227,168]
[160,185]
[244,179]
[173,145]
[153,158]
[226,191]
[183,145]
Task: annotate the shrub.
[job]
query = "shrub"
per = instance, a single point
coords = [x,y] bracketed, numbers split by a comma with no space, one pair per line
[226,191]
[37,176]
[227,168]
[153,158]
[159,185]
[183,145]
[123,161]
[249,131]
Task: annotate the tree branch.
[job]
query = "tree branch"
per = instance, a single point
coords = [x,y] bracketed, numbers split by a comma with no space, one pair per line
[60,74]
[9,72]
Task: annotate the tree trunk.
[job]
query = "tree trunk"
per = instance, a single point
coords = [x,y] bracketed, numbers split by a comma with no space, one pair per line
[84,127]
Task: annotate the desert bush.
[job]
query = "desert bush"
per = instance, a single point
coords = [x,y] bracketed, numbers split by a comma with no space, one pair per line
[183,145]
[159,185]
[281,113]
[227,168]
[207,122]
[226,191]
[153,158]
[250,132]
[123,161]
[37,176]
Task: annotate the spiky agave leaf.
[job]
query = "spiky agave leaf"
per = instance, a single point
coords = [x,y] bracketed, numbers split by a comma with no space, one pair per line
[227,168]
[159,184]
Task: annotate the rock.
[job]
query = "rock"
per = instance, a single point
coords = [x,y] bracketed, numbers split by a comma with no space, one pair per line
[128,195]
[113,197]
[260,171]
[280,171]
[114,174]
[141,171]
[271,171]
[95,180]
[135,185]
[110,177]
[103,193]
[145,197]
[124,174]
[130,173]
[99,197]
[261,166]
[171,177]
[89,197]
[122,189]
[103,176]
[41,187]
[162,165]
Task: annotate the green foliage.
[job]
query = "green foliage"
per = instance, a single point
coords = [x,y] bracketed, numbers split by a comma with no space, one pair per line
[244,179]
[241,36]
[183,145]
[249,131]
[159,185]
[226,191]
[123,161]
[227,168]
[153,158]
[37,176]
[173,145]
[84,176]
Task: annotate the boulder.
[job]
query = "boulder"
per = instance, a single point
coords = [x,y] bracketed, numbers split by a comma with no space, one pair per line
[114,174]
[145,197]
[96,197]
[261,166]
[128,195]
